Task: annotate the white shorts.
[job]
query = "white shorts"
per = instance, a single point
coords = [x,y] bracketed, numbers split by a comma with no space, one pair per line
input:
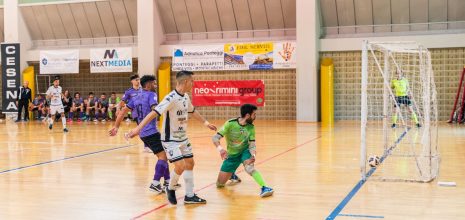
[178,150]
[56,109]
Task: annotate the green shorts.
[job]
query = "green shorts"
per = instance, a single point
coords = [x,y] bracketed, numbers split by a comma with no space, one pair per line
[232,163]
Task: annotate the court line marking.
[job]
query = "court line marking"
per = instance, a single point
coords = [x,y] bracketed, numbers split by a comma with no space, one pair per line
[48,142]
[359,185]
[213,184]
[361,216]
[66,158]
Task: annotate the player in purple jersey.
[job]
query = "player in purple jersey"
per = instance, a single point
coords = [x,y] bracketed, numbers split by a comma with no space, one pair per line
[128,95]
[144,103]
[131,93]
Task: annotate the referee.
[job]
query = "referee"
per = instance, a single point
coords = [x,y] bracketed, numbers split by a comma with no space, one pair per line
[23,101]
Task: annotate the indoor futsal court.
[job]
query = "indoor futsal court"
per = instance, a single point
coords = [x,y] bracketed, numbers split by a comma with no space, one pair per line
[232,109]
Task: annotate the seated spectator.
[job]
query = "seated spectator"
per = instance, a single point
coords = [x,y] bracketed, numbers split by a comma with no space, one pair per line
[91,106]
[102,107]
[113,106]
[38,106]
[67,102]
[77,106]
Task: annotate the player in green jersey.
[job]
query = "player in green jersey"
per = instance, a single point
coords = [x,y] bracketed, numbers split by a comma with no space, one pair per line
[402,93]
[240,140]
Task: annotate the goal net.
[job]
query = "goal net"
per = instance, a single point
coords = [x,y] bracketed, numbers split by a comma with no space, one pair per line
[398,112]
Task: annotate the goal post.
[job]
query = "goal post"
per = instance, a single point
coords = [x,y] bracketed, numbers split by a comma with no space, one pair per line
[398,125]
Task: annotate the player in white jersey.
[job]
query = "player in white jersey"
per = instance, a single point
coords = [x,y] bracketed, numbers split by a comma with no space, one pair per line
[55,94]
[175,108]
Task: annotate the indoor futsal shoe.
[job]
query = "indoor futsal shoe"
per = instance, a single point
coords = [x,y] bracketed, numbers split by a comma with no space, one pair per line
[65,130]
[171,194]
[235,179]
[50,126]
[156,188]
[266,191]
[194,200]
[418,125]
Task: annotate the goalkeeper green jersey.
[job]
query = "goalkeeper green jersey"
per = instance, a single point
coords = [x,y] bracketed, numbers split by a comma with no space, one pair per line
[400,87]
[237,136]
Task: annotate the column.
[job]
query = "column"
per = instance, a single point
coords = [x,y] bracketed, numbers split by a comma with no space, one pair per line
[150,36]
[308,37]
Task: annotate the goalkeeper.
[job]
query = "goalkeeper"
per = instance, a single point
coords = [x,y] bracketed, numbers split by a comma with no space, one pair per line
[403,95]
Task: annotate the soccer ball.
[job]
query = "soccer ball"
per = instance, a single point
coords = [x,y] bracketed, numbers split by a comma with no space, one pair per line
[373,161]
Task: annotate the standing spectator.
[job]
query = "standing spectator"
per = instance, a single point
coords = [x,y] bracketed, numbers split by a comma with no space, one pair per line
[23,101]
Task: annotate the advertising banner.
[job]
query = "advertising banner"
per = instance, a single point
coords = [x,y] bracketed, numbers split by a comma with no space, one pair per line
[111,60]
[198,58]
[228,93]
[284,55]
[248,56]
[10,76]
[59,61]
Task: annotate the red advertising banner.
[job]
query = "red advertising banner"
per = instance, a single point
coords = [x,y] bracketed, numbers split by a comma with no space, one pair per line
[228,93]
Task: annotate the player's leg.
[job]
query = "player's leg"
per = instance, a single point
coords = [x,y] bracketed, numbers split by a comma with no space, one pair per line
[153,141]
[227,169]
[395,110]
[103,112]
[249,167]
[71,113]
[61,111]
[412,112]
[188,175]
[81,113]
[51,119]
[174,155]
[26,111]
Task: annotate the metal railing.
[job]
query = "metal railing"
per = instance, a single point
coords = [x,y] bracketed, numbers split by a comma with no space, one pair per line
[269,34]
[85,42]
[395,29]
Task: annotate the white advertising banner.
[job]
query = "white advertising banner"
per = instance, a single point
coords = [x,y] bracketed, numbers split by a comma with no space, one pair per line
[284,56]
[198,58]
[59,61]
[109,60]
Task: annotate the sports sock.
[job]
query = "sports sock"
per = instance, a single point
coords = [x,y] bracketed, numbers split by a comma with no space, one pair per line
[63,121]
[173,180]
[189,179]
[394,118]
[258,178]
[415,118]
[159,170]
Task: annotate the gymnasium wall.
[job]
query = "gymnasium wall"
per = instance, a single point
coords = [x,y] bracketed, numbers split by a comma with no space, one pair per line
[85,82]
[280,93]
[280,88]
[447,66]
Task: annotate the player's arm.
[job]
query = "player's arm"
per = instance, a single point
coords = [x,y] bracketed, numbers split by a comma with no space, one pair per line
[216,141]
[48,94]
[158,110]
[152,115]
[252,146]
[199,117]
[119,118]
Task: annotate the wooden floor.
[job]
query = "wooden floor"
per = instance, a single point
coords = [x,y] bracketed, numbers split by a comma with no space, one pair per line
[87,175]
